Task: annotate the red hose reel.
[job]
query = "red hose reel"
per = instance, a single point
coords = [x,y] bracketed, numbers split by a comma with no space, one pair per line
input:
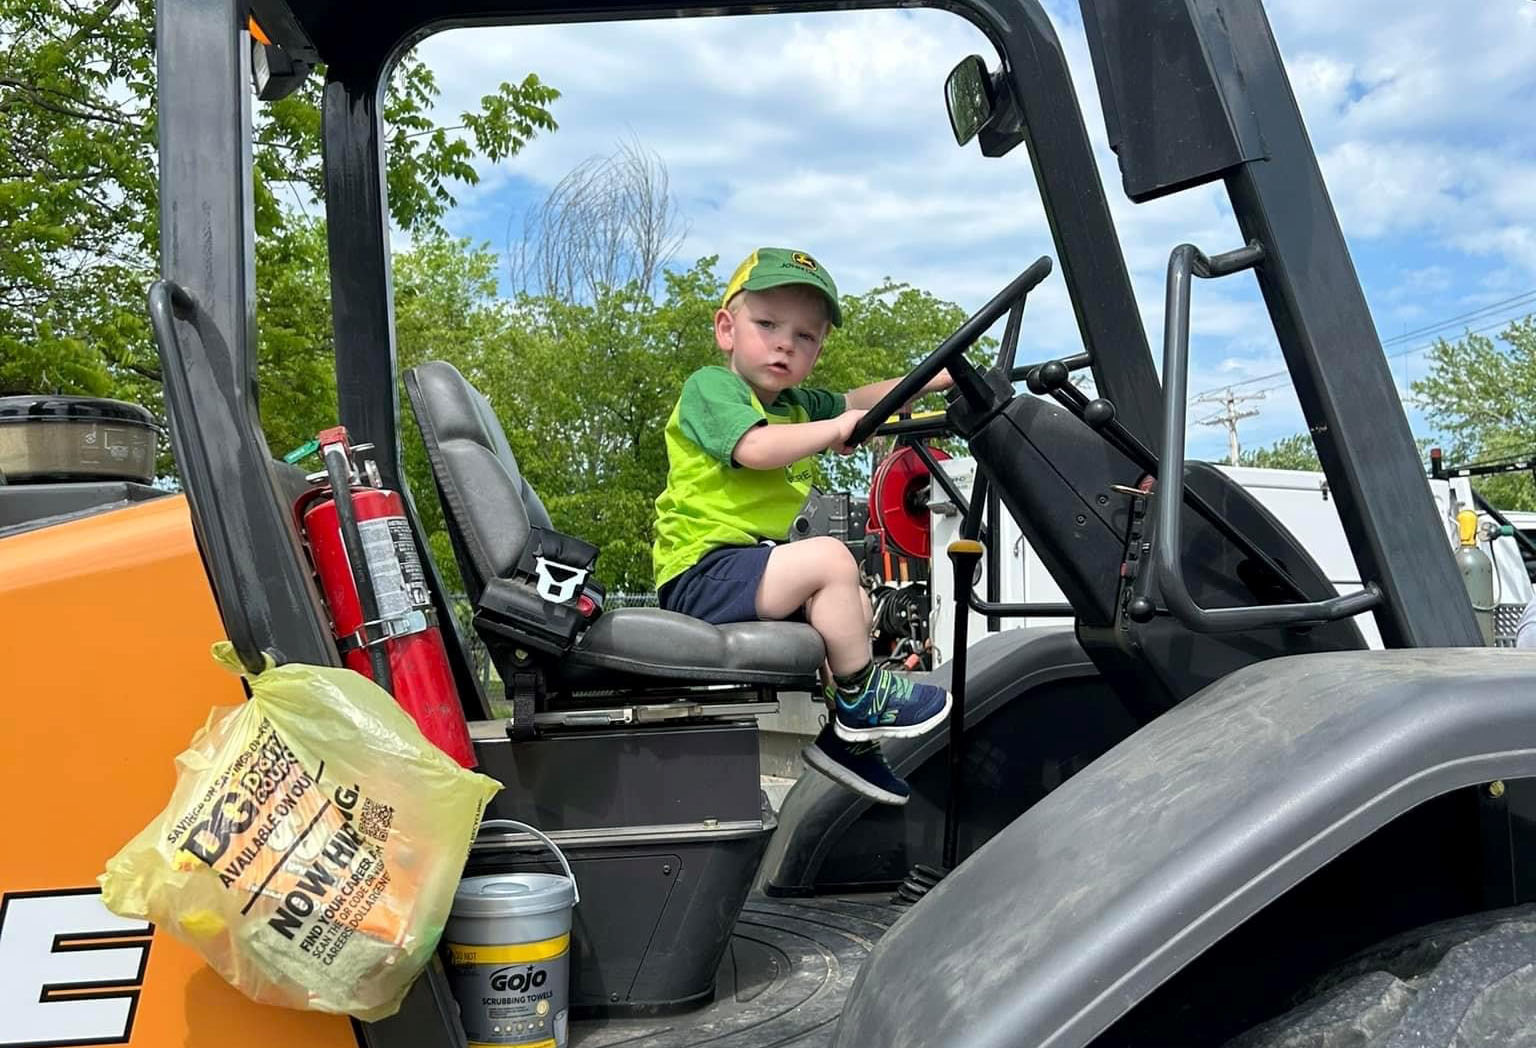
[898,500]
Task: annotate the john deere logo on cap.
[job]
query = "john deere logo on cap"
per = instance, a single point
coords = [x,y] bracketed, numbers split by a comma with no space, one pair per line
[800,258]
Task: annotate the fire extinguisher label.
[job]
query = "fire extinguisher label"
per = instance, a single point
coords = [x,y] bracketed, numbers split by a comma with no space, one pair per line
[398,580]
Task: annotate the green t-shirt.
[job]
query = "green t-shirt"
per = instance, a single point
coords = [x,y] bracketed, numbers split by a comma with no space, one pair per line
[710,501]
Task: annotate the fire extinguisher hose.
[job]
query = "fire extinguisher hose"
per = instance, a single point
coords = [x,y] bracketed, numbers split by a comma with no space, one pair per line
[337,470]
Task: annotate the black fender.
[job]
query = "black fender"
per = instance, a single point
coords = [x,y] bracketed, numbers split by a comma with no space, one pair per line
[1136,865]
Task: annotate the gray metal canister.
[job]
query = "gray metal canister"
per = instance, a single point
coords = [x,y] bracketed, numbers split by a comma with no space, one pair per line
[508,946]
[1477,573]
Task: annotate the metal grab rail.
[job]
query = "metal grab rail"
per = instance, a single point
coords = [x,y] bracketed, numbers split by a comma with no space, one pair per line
[1164,564]
[1033,610]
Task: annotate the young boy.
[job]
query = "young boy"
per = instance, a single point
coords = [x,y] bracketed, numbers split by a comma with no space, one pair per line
[739,446]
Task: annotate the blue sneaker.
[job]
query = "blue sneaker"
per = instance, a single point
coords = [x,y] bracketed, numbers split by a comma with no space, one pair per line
[890,707]
[859,766]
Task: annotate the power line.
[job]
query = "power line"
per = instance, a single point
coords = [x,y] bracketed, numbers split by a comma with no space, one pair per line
[1522,298]
[1230,418]
[1285,373]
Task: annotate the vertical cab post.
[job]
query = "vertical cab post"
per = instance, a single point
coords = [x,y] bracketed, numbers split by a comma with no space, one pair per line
[363,315]
[205,312]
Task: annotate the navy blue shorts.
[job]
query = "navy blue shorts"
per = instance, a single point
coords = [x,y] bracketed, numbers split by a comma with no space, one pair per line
[721,587]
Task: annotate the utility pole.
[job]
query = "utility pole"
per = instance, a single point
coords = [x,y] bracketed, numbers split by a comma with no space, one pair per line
[1229,417]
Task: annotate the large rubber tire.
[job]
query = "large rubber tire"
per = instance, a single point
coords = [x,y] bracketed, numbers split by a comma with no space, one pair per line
[1462,983]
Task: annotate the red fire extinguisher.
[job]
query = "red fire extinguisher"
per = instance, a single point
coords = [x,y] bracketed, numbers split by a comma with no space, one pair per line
[382,617]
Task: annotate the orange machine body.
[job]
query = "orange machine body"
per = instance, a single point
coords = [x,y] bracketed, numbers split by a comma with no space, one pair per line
[105,626]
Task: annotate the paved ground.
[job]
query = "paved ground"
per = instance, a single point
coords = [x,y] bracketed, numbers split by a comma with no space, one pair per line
[784,734]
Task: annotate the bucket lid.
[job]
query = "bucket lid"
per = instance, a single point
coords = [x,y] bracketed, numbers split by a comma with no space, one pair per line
[513,895]
[48,407]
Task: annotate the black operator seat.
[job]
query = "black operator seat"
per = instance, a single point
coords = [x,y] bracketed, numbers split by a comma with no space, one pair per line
[489,507]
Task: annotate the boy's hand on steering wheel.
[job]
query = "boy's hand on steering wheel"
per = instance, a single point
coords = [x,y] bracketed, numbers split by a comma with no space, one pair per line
[845,423]
[942,381]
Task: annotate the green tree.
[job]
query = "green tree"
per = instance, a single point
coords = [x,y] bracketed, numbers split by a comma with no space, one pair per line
[583,389]
[446,308]
[1481,398]
[1294,452]
[78,204]
[295,346]
[76,179]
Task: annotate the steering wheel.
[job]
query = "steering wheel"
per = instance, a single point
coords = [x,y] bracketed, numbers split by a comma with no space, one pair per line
[950,351]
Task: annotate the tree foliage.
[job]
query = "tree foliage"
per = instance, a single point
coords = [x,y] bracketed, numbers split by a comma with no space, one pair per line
[76,193]
[1294,452]
[584,388]
[1481,398]
[78,196]
[583,371]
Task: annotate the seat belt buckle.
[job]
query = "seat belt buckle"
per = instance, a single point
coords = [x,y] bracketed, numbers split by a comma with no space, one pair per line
[557,583]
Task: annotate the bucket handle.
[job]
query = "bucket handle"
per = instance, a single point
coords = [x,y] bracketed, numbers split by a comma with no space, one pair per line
[513,824]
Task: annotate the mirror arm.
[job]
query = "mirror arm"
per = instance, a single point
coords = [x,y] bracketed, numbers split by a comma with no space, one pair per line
[1005,130]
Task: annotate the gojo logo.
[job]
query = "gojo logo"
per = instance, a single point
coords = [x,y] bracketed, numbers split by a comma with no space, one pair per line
[514,979]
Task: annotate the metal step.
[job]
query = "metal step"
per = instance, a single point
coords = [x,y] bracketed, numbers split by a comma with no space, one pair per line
[782,982]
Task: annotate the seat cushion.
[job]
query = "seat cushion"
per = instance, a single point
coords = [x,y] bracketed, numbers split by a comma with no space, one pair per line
[649,642]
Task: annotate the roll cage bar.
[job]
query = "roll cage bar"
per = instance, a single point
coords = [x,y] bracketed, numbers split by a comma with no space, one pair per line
[1223,110]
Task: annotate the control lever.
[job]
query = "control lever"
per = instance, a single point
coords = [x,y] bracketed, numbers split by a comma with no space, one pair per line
[1054,378]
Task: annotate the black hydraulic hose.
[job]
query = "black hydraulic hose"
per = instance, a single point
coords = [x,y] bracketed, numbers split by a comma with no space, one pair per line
[1519,536]
[340,477]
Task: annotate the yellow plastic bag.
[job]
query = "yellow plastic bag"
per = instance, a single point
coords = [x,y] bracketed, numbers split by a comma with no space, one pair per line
[312,845]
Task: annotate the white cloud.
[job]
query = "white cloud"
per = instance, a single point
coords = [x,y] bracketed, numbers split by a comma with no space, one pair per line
[829,131]
[1428,280]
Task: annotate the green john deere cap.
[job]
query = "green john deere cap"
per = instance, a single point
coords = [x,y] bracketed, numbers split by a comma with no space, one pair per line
[776,266]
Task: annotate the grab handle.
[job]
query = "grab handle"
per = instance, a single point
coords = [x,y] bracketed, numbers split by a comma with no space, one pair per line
[513,824]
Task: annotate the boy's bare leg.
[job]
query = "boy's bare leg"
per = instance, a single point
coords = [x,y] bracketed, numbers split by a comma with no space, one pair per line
[821,576]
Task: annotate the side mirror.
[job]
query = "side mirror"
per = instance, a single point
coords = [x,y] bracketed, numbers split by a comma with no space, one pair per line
[968,97]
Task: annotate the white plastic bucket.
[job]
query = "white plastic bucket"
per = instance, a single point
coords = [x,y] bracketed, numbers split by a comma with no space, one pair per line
[508,946]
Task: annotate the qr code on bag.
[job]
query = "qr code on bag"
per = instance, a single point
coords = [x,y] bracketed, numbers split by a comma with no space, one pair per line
[376,819]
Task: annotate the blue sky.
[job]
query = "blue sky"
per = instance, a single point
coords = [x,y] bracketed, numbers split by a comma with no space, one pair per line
[828,131]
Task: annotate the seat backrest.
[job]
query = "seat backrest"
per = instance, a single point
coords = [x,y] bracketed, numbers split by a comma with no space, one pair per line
[488,503]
